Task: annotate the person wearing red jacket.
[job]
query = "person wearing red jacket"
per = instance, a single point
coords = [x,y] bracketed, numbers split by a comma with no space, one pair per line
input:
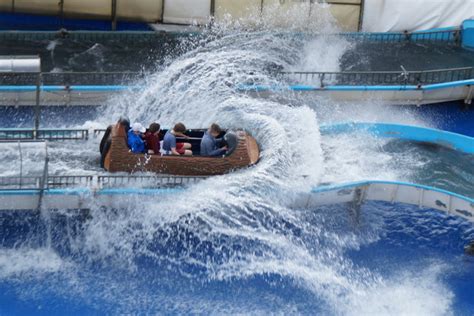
[152,139]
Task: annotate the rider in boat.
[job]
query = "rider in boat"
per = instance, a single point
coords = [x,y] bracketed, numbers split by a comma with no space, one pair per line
[134,138]
[152,139]
[210,144]
[171,147]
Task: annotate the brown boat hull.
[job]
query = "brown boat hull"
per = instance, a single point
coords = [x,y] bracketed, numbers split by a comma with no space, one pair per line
[120,159]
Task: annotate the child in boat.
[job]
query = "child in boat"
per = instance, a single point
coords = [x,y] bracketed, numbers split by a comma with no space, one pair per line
[210,143]
[152,139]
[134,139]
[171,147]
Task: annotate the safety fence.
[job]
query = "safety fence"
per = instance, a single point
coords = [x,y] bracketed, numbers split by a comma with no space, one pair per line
[66,79]
[402,77]
[446,36]
[43,134]
[451,36]
[94,181]
[130,37]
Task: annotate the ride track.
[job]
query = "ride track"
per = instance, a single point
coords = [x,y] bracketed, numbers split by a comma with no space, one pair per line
[81,192]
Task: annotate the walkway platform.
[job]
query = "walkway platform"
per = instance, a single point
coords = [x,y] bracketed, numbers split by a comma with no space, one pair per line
[401,87]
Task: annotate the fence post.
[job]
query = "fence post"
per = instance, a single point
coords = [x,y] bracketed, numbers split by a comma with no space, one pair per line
[21,164]
[61,12]
[113,15]
[37,105]
[44,180]
[361,15]
[213,8]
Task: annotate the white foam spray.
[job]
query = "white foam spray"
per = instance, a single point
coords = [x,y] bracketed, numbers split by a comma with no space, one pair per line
[240,225]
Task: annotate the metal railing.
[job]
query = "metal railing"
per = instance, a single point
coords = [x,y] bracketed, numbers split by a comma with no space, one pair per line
[401,77]
[111,181]
[448,36]
[99,131]
[131,37]
[335,78]
[95,181]
[69,181]
[20,183]
[43,134]
[68,78]
[17,134]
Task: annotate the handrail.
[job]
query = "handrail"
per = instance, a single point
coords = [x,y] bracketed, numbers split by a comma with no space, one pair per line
[107,181]
[402,77]
[450,35]
[46,181]
[68,79]
[7,134]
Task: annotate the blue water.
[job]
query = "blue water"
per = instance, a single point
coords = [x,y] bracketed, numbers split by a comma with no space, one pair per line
[393,247]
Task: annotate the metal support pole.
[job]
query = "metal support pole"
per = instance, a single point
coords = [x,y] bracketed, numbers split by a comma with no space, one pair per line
[44,180]
[213,8]
[21,164]
[361,15]
[114,15]
[38,105]
[162,10]
[470,96]
[61,11]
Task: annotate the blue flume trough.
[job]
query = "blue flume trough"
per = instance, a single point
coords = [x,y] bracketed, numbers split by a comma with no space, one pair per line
[424,197]
[458,142]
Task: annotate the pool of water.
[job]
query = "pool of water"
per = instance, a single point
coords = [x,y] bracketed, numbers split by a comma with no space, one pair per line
[388,259]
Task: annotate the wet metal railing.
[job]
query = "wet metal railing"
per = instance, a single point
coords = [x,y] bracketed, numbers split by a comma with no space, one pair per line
[22,80]
[108,181]
[68,78]
[447,36]
[20,183]
[8,134]
[63,134]
[95,181]
[69,181]
[401,77]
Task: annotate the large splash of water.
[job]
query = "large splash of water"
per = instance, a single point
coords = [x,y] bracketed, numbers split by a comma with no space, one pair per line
[238,227]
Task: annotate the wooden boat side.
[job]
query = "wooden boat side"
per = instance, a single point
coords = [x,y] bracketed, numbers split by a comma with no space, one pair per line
[120,159]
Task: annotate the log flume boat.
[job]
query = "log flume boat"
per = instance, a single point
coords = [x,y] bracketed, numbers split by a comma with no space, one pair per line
[243,151]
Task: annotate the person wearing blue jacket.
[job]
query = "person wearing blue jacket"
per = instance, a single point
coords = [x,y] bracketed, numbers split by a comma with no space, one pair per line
[135,141]
[210,143]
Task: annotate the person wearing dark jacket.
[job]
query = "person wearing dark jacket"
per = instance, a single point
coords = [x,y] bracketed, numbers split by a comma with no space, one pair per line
[210,143]
[152,139]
